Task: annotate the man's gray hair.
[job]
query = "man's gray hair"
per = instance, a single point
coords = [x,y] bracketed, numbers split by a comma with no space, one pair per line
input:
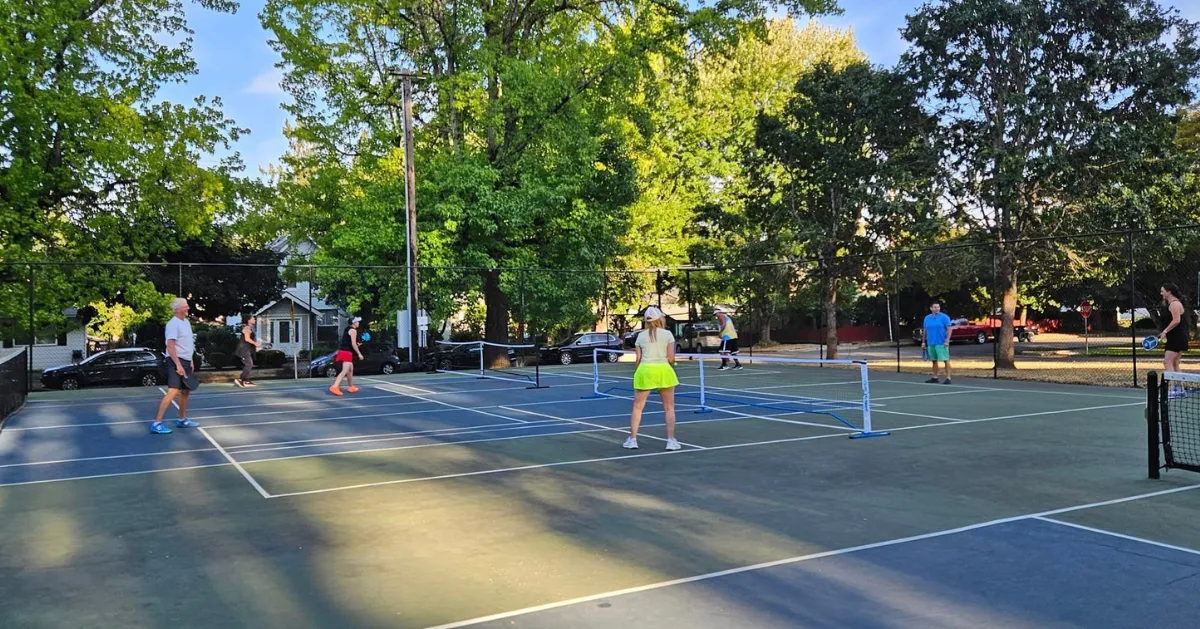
[177,302]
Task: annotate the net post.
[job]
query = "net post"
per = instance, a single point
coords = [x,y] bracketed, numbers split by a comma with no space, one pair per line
[866,431]
[537,372]
[1152,419]
[482,351]
[595,377]
[703,406]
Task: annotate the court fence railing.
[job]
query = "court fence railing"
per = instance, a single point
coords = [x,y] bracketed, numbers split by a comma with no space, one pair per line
[1081,305]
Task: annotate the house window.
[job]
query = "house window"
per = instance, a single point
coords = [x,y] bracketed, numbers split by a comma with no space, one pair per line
[285,331]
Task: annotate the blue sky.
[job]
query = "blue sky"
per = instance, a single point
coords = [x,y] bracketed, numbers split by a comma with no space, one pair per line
[236,64]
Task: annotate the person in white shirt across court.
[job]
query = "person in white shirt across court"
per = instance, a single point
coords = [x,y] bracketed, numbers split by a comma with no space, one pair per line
[655,371]
[181,344]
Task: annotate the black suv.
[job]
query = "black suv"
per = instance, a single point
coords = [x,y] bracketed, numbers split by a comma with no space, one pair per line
[449,357]
[377,358]
[136,365]
[582,346]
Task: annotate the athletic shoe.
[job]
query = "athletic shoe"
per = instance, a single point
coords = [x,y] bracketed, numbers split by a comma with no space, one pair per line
[353,389]
[239,383]
[947,381]
[159,428]
[630,444]
[336,391]
[737,367]
[932,381]
[722,368]
[673,445]
[186,423]
[249,384]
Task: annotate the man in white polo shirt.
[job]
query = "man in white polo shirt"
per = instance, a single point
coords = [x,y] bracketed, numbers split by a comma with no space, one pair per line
[180,347]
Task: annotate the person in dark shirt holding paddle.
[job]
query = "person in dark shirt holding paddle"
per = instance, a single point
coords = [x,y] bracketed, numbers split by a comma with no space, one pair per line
[1175,334]
[348,348]
[246,347]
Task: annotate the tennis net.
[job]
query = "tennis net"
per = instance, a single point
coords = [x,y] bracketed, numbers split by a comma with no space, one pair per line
[1173,419]
[763,386]
[14,382]
[482,359]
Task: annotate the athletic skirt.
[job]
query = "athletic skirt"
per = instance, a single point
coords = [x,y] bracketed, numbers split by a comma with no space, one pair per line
[654,376]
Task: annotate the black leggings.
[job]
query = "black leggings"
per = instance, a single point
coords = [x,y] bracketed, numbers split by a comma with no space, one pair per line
[247,365]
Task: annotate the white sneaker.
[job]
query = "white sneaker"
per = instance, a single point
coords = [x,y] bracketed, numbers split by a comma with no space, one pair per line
[673,445]
[630,444]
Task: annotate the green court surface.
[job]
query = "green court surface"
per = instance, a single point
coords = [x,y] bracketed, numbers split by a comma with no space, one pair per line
[437,501]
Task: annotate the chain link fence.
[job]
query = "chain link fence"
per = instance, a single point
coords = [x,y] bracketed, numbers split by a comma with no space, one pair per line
[69,316]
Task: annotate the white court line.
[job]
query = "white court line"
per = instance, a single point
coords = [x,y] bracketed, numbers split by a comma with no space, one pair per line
[454,406]
[546,465]
[396,437]
[904,397]
[1013,390]
[793,560]
[948,419]
[397,433]
[793,386]
[248,477]
[1119,535]
[709,449]
[583,423]
[106,457]
[113,475]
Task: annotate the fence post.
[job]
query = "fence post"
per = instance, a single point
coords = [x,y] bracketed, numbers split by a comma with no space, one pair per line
[896,318]
[1132,305]
[29,374]
[992,314]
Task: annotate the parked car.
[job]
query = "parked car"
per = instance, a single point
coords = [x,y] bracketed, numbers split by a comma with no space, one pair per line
[581,347]
[698,337]
[377,358]
[964,331]
[135,365]
[461,357]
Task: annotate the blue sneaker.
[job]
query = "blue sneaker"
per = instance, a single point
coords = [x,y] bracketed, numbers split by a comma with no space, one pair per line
[186,423]
[159,428]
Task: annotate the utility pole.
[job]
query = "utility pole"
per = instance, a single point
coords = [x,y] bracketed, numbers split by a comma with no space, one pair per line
[410,216]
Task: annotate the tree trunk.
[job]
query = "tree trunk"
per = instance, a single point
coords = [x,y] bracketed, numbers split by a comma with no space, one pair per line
[495,325]
[764,336]
[1007,285]
[831,321]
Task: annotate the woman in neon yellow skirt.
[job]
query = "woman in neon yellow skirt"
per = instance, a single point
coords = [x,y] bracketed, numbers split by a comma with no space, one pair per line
[655,372]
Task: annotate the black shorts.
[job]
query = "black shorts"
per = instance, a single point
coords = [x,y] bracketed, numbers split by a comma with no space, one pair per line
[729,346]
[174,381]
[1176,343]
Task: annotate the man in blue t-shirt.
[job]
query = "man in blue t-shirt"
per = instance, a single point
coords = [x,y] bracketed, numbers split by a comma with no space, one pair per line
[937,340]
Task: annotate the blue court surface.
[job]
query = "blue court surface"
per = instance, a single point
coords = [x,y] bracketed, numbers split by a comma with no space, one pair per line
[445,500]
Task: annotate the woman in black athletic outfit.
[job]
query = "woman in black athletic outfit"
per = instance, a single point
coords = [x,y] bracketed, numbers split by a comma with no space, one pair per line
[246,347]
[1175,334]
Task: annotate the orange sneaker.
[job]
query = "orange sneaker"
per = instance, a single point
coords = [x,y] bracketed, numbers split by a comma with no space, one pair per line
[335,391]
[352,389]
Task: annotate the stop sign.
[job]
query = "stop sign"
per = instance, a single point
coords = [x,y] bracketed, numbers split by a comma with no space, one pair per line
[1085,309]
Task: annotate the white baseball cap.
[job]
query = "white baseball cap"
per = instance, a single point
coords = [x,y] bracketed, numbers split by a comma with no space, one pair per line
[356,320]
[653,314]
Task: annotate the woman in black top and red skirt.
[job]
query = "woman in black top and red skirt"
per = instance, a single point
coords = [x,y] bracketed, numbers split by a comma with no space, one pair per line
[347,350]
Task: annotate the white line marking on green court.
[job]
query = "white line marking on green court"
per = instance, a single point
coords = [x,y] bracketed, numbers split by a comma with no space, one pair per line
[454,406]
[1119,535]
[583,423]
[244,473]
[1016,390]
[793,560]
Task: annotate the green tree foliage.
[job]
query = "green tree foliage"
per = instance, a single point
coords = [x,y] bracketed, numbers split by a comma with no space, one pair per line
[524,148]
[91,166]
[1049,107]
[846,168]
